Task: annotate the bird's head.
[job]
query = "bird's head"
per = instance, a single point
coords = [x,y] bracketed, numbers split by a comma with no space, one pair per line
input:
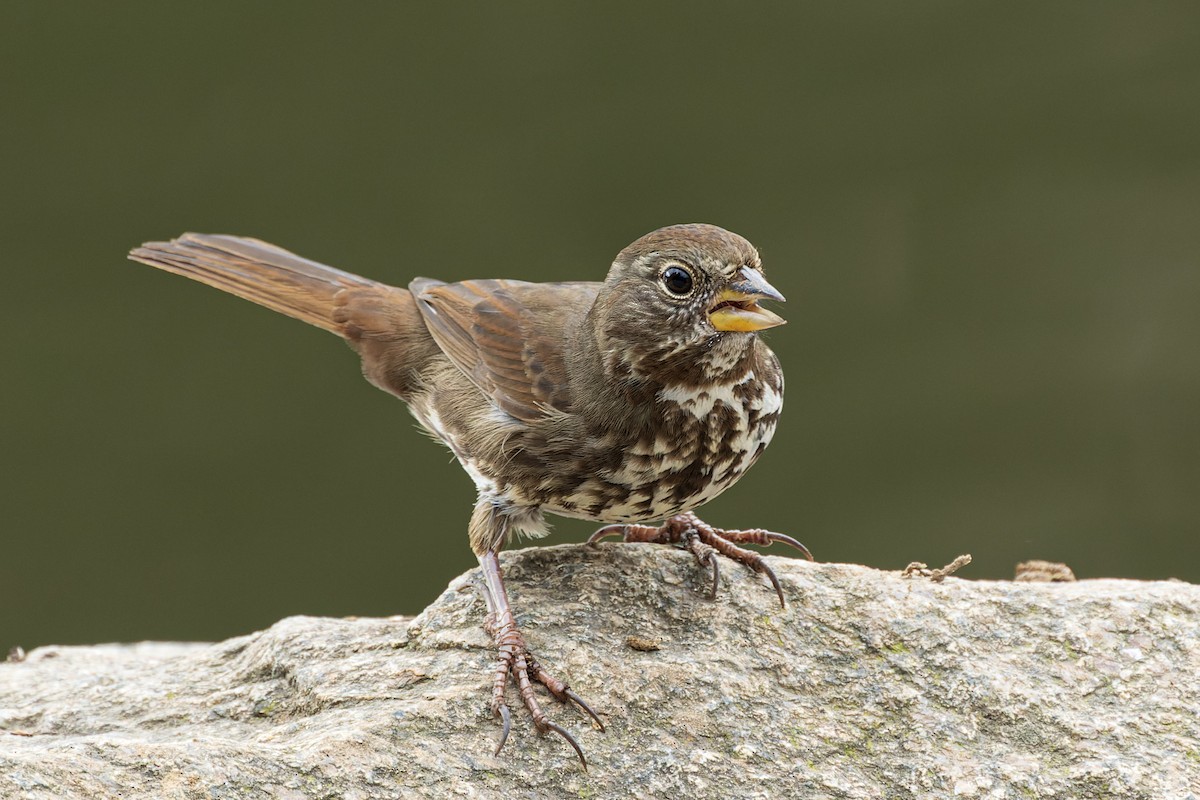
[684,301]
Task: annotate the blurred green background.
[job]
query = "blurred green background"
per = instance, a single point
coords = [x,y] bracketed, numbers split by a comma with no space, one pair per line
[986,218]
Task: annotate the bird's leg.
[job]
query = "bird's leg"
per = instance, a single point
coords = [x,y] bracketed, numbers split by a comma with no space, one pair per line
[516,661]
[703,540]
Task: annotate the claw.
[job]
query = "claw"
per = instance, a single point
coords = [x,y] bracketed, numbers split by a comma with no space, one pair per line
[577,700]
[605,532]
[770,573]
[570,740]
[506,716]
[716,576]
[785,539]
[561,691]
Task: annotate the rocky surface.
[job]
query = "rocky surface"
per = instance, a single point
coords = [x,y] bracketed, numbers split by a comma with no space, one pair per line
[868,685]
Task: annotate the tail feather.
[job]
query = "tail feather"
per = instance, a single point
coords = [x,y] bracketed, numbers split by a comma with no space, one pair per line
[257,271]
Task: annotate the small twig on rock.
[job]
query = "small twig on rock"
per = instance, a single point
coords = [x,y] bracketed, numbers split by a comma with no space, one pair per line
[918,570]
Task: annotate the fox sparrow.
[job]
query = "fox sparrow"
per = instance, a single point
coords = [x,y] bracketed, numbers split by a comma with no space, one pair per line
[639,398]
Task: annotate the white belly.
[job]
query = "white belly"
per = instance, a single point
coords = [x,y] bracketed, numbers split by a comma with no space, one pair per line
[708,440]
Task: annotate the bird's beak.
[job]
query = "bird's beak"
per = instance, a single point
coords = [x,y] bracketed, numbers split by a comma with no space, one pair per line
[737,309]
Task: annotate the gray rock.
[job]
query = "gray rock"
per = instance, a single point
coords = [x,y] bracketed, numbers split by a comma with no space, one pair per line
[868,685]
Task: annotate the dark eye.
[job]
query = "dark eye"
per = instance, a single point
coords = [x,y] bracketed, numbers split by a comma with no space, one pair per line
[677,280]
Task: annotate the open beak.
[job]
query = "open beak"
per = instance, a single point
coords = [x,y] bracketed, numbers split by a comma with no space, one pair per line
[737,308]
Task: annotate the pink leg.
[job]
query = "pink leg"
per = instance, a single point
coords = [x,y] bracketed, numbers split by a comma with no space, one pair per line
[516,660]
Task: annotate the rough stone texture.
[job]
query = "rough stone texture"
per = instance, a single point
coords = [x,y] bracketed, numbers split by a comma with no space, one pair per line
[869,685]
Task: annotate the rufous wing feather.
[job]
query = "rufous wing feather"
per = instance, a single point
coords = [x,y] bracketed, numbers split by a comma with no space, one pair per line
[507,336]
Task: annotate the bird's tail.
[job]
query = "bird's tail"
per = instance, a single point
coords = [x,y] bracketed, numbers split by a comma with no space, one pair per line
[258,271]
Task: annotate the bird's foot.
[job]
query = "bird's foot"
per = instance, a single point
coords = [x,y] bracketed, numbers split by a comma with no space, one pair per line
[704,541]
[519,665]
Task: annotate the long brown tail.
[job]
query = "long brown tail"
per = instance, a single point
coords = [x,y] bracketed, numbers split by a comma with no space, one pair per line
[258,271]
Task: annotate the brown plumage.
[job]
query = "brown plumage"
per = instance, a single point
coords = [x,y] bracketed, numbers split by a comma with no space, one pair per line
[636,399]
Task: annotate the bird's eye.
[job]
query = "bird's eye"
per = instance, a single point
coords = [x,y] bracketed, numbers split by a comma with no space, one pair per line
[677,280]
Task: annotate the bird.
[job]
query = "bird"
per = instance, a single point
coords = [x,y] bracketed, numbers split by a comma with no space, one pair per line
[625,401]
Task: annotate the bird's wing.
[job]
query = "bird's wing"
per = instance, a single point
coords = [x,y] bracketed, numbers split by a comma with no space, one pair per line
[509,337]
